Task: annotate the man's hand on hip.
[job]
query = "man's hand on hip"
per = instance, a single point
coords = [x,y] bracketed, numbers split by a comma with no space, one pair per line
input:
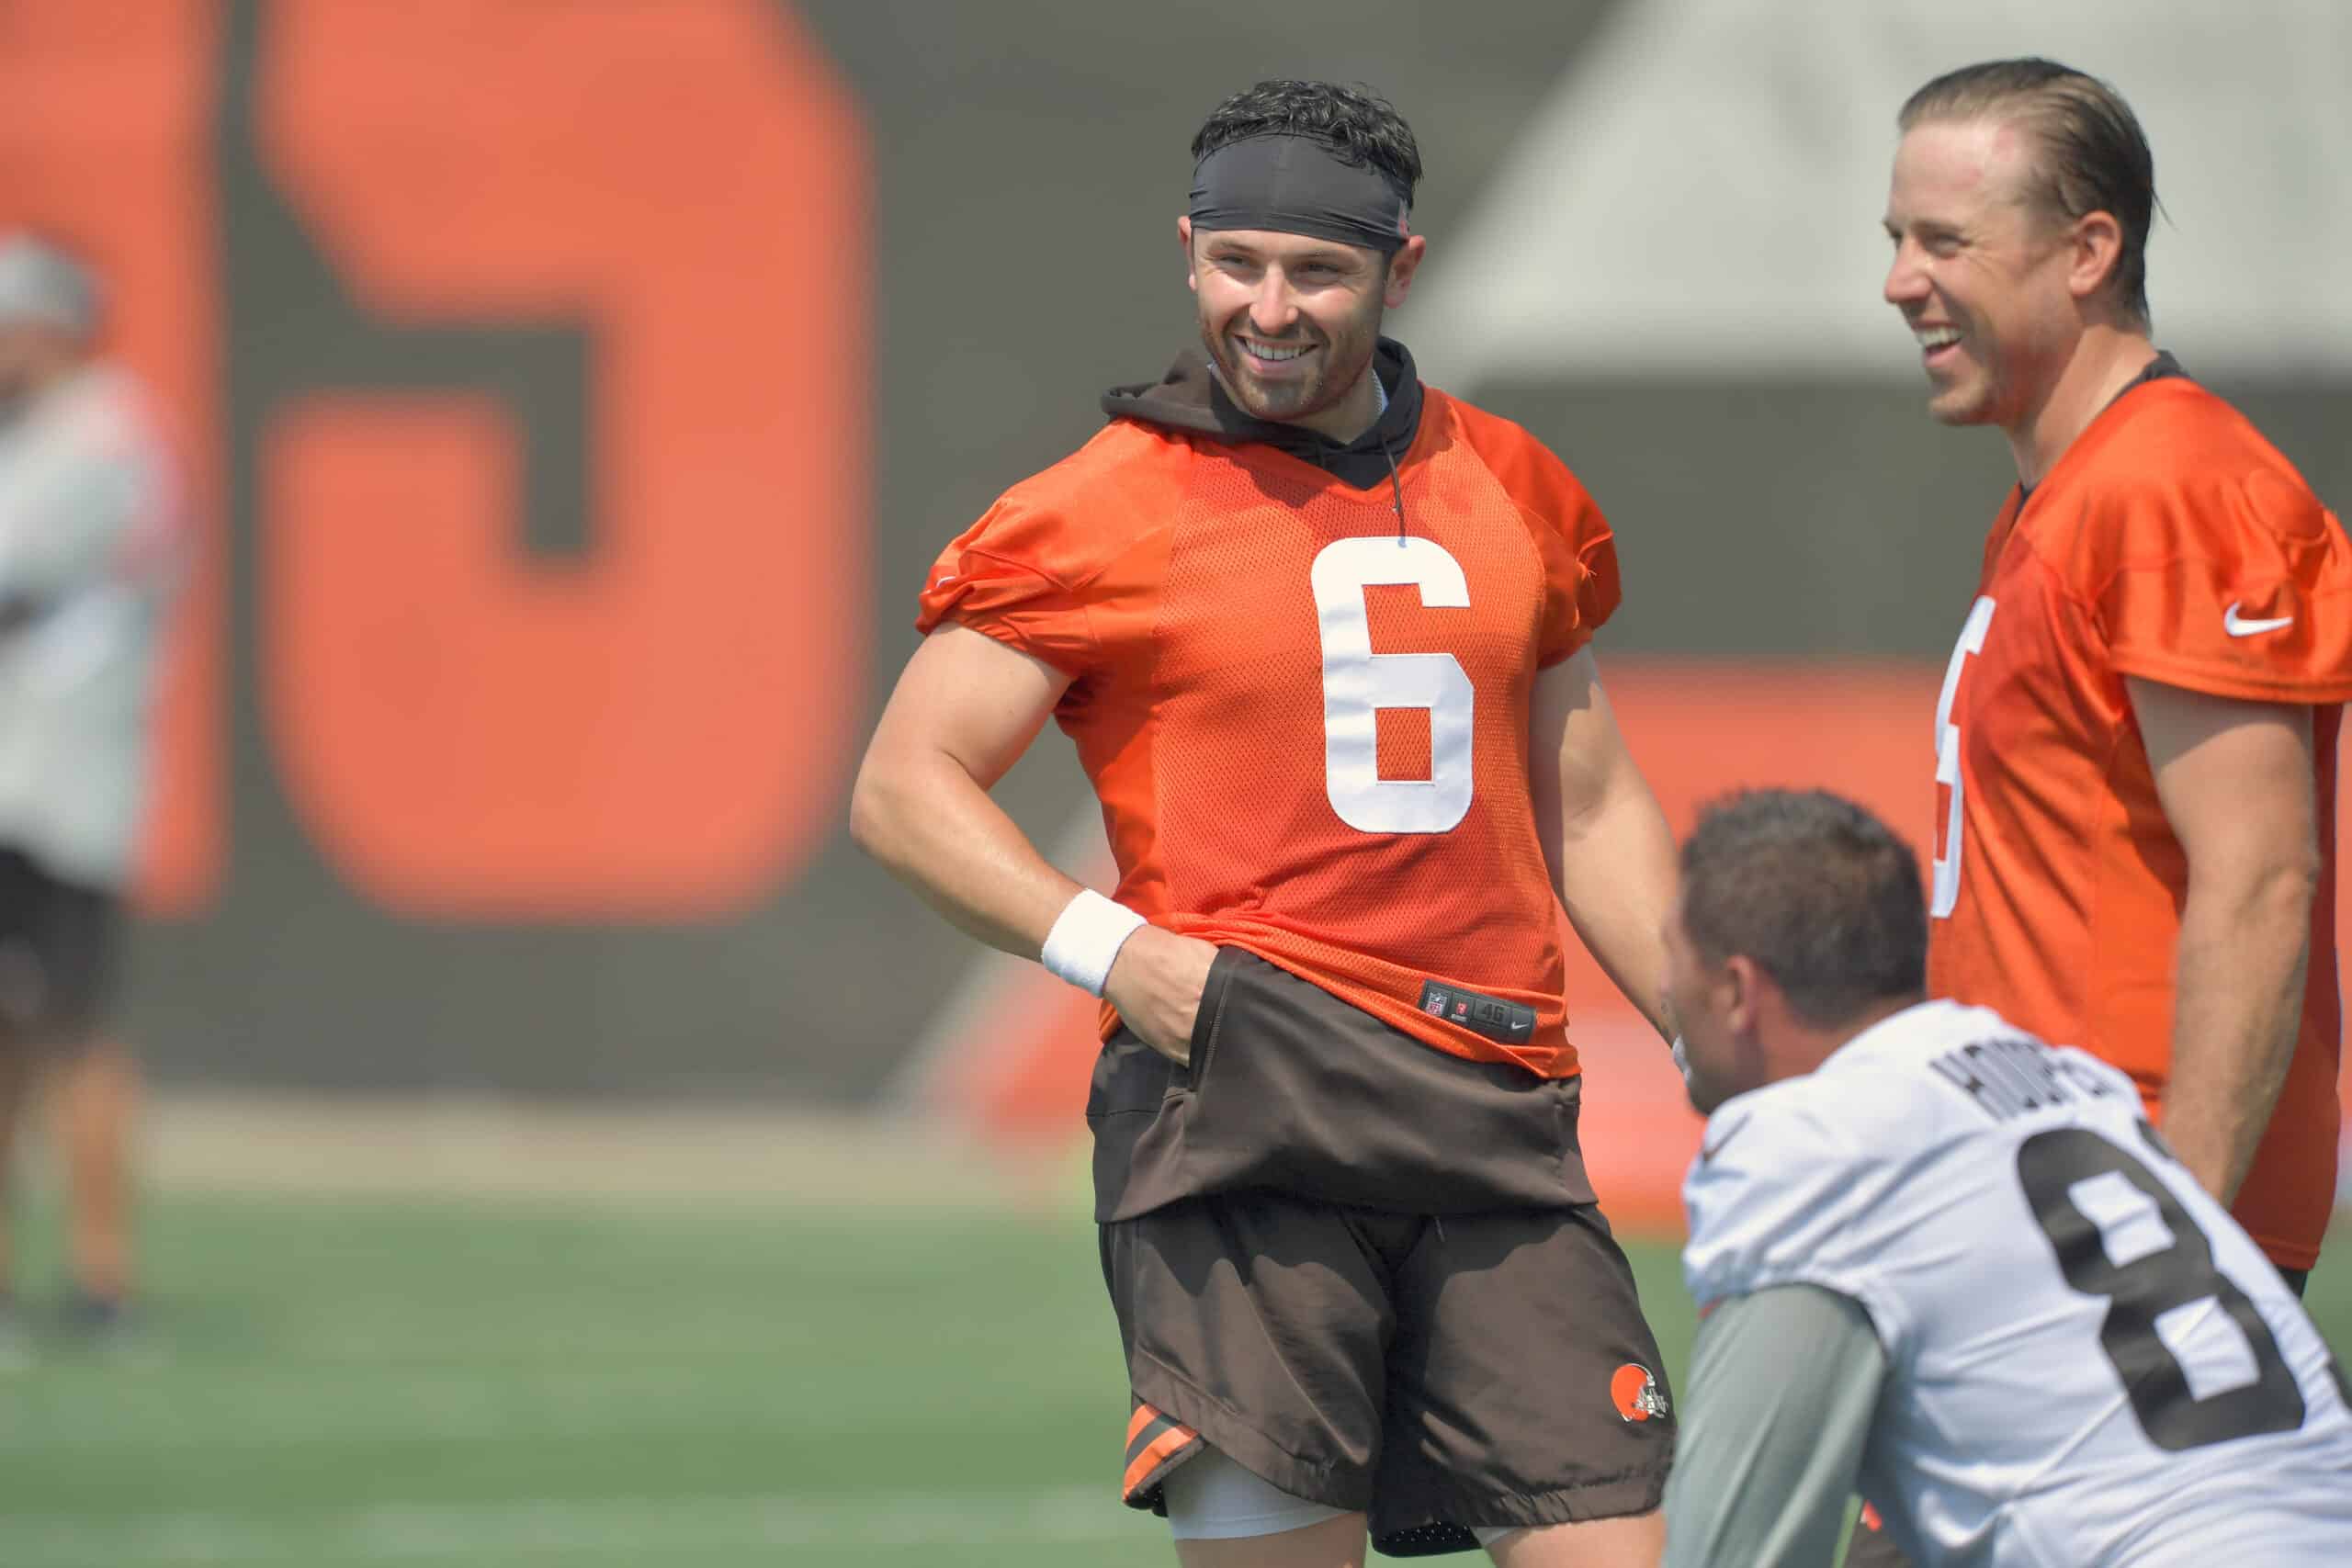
[1156,983]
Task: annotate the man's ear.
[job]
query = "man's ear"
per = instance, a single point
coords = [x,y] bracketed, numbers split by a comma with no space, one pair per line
[1401,268]
[1184,238]
[2096,253]
[1745,979]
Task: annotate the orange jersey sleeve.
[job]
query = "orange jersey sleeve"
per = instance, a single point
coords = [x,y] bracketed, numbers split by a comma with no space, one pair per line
[1580,580]
[1040,570]
[1009,576]
[2209,564]
[2170,543]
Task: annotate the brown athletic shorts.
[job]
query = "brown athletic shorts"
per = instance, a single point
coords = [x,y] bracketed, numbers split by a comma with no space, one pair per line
[1435,1365]
[1871,1547]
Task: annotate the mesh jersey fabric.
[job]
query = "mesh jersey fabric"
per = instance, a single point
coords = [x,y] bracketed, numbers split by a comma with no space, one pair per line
[2173,543]
[1225,611]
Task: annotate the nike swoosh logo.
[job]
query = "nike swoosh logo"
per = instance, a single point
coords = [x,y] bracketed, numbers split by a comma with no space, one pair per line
[2237,625]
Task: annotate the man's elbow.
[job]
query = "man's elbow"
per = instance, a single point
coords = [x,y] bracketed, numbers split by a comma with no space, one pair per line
[2275,892]
[2291,889]
[877,808]
[2290,875]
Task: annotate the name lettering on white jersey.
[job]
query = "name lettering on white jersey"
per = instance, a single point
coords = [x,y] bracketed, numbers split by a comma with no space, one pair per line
[2006,1078]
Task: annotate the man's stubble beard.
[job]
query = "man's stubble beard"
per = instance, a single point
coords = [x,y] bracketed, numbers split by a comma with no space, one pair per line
[1314,395]
[1974,401]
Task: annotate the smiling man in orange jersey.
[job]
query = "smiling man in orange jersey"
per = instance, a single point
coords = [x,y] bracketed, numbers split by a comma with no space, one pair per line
[2136,743]
[1320,634]
[2138,727]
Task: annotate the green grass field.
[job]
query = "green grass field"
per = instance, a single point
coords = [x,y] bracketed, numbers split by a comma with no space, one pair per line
[452,1383]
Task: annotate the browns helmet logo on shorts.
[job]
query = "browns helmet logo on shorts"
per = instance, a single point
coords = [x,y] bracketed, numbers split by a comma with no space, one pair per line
[1636,1393]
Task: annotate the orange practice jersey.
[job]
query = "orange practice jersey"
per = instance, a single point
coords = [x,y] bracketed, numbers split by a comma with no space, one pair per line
[2174,544]
[1308,733]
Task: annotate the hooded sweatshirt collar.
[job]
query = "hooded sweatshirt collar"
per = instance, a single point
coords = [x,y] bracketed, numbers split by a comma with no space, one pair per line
[1189,398]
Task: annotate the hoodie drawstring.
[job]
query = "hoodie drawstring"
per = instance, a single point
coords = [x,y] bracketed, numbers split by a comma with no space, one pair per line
[1396,484]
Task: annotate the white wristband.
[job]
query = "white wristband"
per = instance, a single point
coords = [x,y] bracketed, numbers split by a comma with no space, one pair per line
[1086,940]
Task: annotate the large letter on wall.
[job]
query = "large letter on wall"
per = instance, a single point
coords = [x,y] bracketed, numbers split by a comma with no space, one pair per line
[105,110]
[659,727]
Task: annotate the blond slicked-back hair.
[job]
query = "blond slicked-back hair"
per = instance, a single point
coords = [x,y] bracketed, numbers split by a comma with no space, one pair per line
[2091,155]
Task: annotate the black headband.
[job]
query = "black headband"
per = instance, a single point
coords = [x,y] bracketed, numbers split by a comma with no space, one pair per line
[1297,185]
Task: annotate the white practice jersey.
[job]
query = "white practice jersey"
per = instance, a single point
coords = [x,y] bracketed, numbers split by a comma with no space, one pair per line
[90,547]
[2087,1362]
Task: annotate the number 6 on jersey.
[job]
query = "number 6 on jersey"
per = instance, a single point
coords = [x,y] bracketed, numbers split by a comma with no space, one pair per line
[1357,681]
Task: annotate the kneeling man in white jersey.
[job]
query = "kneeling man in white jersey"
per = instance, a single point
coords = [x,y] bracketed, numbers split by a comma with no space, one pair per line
[1950,1266]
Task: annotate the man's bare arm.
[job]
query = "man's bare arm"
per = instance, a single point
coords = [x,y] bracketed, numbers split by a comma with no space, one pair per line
[964,711]
[1605,840]
[2236,782]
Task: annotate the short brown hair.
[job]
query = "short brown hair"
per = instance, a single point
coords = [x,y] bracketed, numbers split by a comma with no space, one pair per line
[1819,892]
[2095,157]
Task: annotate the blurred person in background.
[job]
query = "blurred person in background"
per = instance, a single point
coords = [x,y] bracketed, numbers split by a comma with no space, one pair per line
[1944,1261]
[2138,727]
[88,552]
[1321,635]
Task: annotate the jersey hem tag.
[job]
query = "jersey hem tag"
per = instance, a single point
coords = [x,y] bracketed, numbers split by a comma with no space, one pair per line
[1506,1023]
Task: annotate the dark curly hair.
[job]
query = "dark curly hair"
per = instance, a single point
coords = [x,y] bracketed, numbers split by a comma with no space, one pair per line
[1358,124]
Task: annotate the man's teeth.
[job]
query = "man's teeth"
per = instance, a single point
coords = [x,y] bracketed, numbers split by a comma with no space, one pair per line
[1937,337]
[1268,350]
